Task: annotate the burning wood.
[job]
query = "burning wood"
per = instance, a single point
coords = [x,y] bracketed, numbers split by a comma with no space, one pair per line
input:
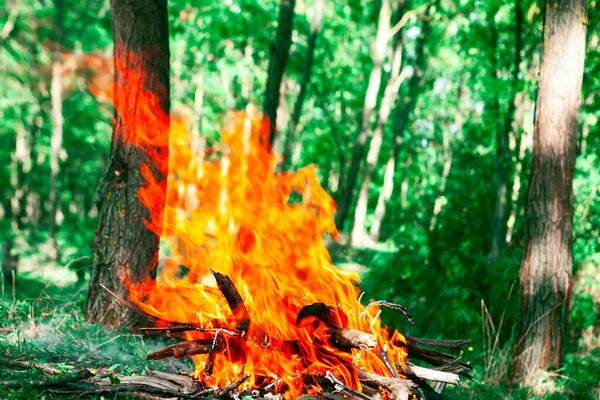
[280,310]
[405,379]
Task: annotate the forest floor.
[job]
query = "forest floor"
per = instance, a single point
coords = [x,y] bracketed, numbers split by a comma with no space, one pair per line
[43,322]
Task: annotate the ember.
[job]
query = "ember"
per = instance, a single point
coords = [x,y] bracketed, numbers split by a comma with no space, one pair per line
[247,281]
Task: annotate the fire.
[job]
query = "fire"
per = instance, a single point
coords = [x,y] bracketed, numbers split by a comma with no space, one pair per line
[229,211]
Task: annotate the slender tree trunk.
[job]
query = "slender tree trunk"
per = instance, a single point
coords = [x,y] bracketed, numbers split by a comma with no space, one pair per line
[547,265]
[56,149]
[404,108]
[127,237]
[499,222]
[315,29]
[448,153]
[359,233]
[384,196]
[378,56]
[280,50]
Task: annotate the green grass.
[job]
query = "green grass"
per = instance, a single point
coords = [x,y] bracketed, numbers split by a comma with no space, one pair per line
[44,322]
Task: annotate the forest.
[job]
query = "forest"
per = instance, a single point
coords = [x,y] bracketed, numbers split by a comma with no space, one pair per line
[300,199]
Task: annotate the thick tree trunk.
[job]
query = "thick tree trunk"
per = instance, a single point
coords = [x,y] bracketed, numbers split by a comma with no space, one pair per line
[378,56]
[359,233]
[315,28]
[499,222]
[56,149]
[547,265]
[125,245]
[280,50]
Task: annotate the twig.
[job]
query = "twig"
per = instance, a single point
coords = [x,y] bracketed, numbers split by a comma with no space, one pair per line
[49,369]
[134,388]
[339,386]
[399,388]
[394,306]
[386,360]
[230,388]
[184,349]
[210,361]
[53,381]
[447,344]
[432,374]
[407,15]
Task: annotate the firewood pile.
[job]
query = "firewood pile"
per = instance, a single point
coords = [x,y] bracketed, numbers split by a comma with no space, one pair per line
[404,380]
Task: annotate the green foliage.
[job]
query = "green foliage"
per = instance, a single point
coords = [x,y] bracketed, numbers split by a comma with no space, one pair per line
[442,271]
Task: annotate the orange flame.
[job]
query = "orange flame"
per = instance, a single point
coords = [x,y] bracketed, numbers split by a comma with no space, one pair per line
[228,210]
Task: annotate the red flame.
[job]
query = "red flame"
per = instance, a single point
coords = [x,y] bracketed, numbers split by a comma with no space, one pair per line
[227,210]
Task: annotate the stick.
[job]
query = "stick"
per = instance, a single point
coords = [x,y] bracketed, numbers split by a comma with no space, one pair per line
[338,386]
[53,381]
[448,344]
[399,388]
[183,349]
[386,360]
[133,388]
[49,369]
[234,300]
[210,362]
[152,318]
[394,306]
[432,374]
[230,388]
[186,328]
[352,338]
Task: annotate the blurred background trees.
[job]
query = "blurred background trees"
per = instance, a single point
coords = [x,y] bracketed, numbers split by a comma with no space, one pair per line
[420,115]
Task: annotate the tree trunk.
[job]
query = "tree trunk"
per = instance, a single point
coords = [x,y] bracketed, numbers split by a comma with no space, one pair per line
[547,264]
[315,28]
[448,153]
[127,237]
[359,233]
[384,196]
[56,150]
[404,108]
[499,222]
[280,50]
[377,55]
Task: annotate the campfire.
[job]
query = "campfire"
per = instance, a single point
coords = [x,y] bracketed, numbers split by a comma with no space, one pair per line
[248,286]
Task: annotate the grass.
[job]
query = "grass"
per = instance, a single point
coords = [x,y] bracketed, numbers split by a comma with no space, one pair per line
[43,321]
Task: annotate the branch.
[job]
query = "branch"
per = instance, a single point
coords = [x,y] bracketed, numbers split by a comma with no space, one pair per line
[407,15]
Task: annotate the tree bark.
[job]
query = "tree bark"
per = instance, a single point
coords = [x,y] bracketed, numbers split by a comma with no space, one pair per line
[377,55]
[359,233]
[315,28]
[127,237]
[56,150]
[499,221]
[280,50]
[547,264]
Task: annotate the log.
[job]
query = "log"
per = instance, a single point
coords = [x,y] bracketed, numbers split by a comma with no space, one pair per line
[185,349]
[347,338]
